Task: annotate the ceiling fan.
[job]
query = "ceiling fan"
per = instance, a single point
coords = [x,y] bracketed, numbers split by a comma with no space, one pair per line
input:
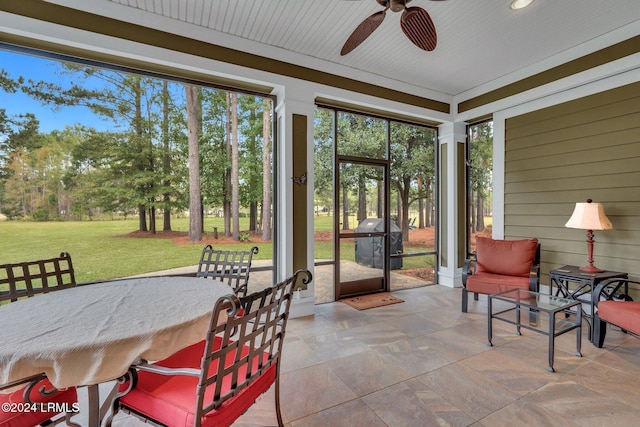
[415,23]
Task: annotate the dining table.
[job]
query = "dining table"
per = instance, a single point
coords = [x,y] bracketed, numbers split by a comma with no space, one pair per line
[92,334]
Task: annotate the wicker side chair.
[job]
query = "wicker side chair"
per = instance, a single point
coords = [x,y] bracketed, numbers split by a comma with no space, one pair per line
[213,382]
[230,267]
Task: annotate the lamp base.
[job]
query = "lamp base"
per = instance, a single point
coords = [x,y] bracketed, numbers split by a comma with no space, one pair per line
[590,269]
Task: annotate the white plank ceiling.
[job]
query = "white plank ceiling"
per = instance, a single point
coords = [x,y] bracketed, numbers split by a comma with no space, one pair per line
[478,40]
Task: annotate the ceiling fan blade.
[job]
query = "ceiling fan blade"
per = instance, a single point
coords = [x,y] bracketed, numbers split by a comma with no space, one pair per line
[363,31]
[419,28]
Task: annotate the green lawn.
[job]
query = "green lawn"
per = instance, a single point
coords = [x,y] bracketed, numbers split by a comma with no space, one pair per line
[101,250]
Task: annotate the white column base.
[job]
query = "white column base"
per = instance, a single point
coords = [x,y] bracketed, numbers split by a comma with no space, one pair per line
[302,307]
[450,278]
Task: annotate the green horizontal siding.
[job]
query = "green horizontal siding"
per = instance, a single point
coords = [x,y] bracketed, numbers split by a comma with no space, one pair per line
[557,156]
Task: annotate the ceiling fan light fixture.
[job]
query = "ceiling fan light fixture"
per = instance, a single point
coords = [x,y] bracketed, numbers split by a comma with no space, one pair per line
[520,4]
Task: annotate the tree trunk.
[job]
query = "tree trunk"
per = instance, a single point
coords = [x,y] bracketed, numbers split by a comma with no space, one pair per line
[201,214]
[137,87]
[472,214]
[362,198]
[152,208]
[479,212]
[193,125]
[235,178]
[152,221]
[142,218]
[345,208]
[429,219]
[421,190]
[253,216]
[226,204]
[266,170]
[406,192]
[166,211]
[380,201]
[399,206]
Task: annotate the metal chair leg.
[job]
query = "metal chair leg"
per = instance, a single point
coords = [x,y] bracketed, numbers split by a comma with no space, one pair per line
[278,414]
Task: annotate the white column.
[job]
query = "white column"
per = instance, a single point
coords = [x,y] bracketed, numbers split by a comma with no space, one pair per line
[497,227]
[290,102]
[450,135]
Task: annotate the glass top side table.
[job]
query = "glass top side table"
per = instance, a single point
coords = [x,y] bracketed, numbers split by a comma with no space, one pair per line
[549,315]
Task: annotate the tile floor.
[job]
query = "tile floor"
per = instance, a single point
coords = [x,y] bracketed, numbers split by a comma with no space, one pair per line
[424,363]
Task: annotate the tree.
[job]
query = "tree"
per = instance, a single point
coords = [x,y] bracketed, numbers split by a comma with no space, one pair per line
[166,163]
[193,121]
[323,157]
[480,167]
[227,177]
[19,135]
[93,177]
[235,178]
[412,154]
[174,151]
[266,168]
[139,146]
[15,202]
[131,101]
[360,136]
[138,167]
[251,128]
[213,149]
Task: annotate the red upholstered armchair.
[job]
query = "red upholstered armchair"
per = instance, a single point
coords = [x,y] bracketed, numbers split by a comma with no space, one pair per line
[213,382]
[501,265]
[615,307]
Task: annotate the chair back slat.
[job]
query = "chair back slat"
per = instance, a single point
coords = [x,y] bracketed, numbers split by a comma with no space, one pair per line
[242,348]
[30,278]
[230,267]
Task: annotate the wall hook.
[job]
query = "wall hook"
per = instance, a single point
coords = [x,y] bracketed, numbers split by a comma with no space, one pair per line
[300,180]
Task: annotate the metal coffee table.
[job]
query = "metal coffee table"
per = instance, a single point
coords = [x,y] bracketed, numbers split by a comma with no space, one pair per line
[548,314]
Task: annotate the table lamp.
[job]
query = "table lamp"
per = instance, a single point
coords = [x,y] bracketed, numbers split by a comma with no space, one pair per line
[589,216]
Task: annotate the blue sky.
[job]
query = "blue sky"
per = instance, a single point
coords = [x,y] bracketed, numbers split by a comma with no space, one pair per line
[31,67]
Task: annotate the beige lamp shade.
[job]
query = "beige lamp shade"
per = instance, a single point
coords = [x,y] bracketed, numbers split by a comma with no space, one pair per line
[589,216]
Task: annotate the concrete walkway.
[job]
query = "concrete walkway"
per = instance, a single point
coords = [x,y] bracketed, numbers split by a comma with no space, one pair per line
[323,277]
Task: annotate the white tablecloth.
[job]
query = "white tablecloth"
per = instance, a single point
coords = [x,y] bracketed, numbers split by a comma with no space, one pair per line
[91,334]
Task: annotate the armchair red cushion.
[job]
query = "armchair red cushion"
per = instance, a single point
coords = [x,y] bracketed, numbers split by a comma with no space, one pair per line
[488,283]
[625,314]
[505,257]
[171,399]
[66,397]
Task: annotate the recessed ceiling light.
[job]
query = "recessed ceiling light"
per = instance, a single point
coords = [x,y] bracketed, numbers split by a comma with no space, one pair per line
[520,4]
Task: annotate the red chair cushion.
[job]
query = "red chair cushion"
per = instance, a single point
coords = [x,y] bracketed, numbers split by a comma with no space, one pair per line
[505,257]
[171,400]
[487,283]
[63,399]
[625,314]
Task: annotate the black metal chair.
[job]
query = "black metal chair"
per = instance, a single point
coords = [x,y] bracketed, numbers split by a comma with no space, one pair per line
[213,382]
[230,267]
[30,278]
[24,280]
